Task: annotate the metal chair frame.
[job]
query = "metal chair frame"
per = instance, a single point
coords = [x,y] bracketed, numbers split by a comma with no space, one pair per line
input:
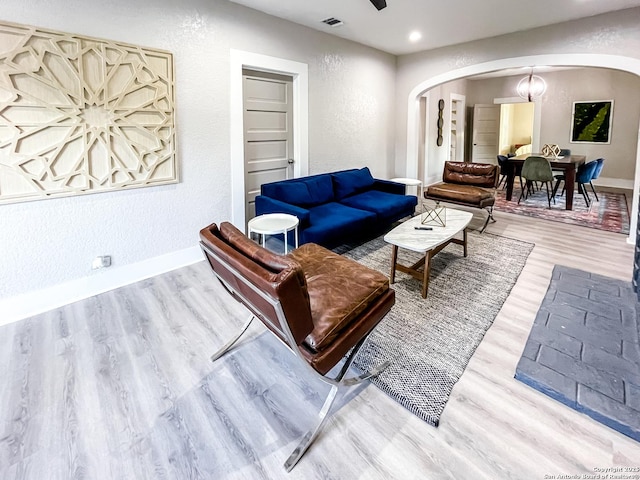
[335,383]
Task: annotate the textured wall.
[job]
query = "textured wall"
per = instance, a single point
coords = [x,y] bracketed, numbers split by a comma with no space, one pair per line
[48,242]
[563,88]
[617,33]
[595,84]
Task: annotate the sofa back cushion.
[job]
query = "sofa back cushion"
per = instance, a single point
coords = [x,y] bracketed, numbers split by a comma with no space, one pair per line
[304,192]
[350,182]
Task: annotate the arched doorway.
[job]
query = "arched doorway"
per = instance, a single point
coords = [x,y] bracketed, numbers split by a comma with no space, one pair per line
[627,64]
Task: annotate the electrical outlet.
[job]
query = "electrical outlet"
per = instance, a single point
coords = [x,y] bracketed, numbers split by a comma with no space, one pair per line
[101,262]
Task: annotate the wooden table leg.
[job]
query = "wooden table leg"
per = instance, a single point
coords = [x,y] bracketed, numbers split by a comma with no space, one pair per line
[425,274]
[511,173]
[394,260]
[569,182]
[464,242]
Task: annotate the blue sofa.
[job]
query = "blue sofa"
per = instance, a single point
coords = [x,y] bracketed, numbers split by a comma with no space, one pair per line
[334,208]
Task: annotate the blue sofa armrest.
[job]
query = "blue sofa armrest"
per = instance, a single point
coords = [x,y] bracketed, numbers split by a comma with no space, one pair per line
[389,186]
[271,205]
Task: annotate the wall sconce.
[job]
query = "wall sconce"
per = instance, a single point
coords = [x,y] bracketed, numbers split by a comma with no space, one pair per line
[531,86]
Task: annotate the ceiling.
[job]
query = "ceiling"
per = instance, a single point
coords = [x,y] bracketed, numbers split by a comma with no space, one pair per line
[441,23]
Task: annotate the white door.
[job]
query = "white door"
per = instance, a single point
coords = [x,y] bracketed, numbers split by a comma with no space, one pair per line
[268,132]
[486,133]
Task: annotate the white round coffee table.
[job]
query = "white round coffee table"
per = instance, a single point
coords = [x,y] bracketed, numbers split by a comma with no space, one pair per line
[274,224]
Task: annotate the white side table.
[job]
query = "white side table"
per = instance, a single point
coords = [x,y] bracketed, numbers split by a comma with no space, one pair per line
[412,182]
[274,224]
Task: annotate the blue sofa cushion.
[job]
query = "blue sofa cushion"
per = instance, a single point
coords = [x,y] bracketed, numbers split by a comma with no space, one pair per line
[387,206]
[334,223]
[304,192]
[350,182]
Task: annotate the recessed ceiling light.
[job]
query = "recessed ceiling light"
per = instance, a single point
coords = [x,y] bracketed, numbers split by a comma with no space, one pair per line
[415,36]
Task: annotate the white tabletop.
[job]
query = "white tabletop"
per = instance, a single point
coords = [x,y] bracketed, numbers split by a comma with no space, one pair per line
[413,182]
[272,223]
[406,236]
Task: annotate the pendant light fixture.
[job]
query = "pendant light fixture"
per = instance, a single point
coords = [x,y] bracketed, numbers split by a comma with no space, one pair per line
[531,87]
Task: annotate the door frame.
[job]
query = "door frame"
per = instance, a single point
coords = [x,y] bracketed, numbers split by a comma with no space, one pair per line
[616,62]
[537,117]
[460,133]
[240,59]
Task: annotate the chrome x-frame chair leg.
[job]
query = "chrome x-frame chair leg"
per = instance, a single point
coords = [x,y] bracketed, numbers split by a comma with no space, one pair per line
[338,381]
[489,217]
[232,342]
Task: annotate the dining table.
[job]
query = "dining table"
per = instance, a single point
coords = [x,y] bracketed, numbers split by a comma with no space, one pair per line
[568,164]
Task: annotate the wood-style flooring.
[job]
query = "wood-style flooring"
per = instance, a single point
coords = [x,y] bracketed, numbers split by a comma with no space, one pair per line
[119,386]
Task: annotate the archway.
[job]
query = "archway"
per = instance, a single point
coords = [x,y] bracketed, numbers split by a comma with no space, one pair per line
[616,62]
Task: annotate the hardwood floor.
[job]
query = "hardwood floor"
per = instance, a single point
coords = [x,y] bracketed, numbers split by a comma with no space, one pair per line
[119,386]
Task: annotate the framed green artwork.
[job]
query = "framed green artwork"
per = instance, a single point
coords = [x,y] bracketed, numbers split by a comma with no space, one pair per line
[591,122]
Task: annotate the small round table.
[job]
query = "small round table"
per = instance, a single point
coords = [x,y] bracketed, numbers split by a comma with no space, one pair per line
[274,224]
[410,182]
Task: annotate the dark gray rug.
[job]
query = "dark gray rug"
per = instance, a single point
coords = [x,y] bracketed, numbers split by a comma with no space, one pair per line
[430,341]
[584,348]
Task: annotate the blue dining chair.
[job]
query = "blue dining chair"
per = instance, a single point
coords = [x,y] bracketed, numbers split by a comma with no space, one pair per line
[595,175]
[583,177]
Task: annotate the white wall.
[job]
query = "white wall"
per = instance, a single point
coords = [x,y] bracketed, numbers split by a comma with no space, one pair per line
[52,242]
[522,123]
[617,33]
[563,88]
[435,155]
[623,88]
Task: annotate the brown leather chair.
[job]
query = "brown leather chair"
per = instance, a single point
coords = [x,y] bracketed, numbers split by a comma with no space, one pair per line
[468,184]
[322,305]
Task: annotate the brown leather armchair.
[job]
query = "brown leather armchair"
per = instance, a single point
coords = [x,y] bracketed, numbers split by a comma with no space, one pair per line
[468,184]
[322,305]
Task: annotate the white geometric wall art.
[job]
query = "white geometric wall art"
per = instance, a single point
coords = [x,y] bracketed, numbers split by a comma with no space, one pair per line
[82,115]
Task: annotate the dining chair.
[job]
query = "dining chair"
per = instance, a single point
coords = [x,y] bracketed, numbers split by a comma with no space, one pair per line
[537,169]
[583,177]
[502,163]
[596,174]
[564,152]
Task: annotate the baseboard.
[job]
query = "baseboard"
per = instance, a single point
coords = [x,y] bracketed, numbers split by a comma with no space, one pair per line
[614,183]
[39,301]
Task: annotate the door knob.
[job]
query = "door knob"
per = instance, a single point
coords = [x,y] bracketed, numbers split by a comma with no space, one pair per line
[290,161]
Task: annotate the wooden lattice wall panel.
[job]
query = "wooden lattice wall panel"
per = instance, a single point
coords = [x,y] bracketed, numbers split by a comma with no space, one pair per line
[82,115]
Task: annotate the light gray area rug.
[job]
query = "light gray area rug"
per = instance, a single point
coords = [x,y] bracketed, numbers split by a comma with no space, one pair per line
[430,341]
